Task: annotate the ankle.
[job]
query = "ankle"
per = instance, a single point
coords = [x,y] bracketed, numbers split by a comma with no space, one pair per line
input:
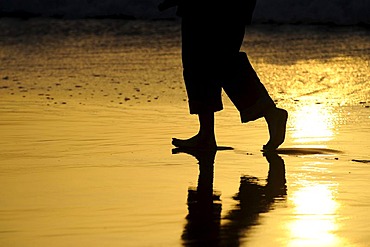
[269,114]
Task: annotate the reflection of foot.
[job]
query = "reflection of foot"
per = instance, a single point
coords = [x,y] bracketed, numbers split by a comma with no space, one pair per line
[195,142]
[276,121]
[276,181]
[273,158]
[204,157]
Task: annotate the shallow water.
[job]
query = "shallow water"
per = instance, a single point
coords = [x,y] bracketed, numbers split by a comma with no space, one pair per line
[88,109]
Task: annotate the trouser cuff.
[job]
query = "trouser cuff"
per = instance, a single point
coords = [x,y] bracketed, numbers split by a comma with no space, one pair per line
[257,110]
[198,107]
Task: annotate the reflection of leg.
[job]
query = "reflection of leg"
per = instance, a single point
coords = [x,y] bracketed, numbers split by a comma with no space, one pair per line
[204,204]
[205,139]
[276,181]
[253,199]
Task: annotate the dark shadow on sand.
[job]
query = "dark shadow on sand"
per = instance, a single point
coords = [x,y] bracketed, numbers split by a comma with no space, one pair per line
[307,151]
[200,153]
[203,227]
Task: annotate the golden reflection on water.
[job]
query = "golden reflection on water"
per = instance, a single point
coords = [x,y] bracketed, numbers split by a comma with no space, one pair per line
[315,209]
[313,123]
[315,220]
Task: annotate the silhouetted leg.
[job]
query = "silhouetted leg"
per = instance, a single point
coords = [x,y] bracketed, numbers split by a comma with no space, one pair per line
[202,83]
[205,139]
[276,119]
[252,99]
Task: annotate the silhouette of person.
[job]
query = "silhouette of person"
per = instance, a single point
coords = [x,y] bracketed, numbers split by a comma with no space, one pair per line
[212,34]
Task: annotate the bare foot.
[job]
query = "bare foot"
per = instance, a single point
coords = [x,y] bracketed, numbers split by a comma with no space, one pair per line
[195,142]
[276,120]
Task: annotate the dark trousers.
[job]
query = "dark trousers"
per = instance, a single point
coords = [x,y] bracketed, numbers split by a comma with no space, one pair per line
[212,60]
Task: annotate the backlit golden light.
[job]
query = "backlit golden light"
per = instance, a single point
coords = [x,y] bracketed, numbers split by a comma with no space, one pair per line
[314,223]
[313,123]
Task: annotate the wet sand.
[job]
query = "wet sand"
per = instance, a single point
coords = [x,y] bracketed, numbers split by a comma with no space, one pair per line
[86,121]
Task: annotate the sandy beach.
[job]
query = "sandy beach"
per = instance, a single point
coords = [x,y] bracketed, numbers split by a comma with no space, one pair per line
[88,109]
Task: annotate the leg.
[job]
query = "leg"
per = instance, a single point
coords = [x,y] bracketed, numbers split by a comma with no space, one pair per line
[201,80]
[253,101]
[205,139]
[276,119]
[202,85]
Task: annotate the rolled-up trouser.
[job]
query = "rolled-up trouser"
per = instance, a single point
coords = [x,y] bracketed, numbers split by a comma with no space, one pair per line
[245,90]
[212,61]
[200,57]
